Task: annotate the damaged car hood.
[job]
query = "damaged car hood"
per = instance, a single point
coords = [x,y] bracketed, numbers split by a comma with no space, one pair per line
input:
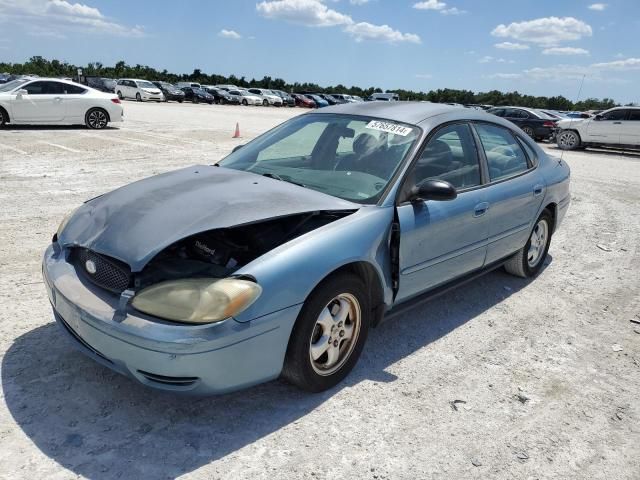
[137,221]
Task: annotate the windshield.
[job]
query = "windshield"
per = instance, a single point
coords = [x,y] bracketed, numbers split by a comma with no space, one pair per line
[144,84]
[350,157]
[7,87]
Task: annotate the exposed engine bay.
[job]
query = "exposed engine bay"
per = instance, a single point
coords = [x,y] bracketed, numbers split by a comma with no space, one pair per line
[219,253]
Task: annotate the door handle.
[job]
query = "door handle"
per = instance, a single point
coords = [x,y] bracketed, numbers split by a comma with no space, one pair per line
[537,190]
[617,123]
[480,209]
[58,99]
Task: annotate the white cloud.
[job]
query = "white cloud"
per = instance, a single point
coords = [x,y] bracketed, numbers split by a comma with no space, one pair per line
[511,46]
[558,73]
[430,5]
[565,51]
[489,58]
[627,64]
[439,7]
[545,31]
[424,76]
[358,2]
[232,34]
[54,18]
[314,13]
[311,13]
[598,7]
[366,31]
[505,76]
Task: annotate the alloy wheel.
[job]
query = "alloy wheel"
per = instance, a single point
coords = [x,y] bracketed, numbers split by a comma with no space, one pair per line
[335,334]
[529,131]
[97,119]
[567,140]
[537,243]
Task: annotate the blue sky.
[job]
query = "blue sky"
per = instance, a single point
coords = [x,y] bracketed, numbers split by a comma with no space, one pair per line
[540,47]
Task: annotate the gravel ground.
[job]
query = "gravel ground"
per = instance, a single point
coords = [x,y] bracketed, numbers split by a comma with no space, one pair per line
[503,378]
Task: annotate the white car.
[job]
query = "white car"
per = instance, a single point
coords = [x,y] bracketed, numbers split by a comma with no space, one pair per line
[53,101]
[141,90]
[268,97]
[247,98]
[617,127]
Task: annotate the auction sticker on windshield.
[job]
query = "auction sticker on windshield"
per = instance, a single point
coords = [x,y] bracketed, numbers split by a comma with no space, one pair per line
[389,127]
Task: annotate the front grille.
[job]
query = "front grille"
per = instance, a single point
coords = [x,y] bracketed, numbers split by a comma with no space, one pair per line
[106,272]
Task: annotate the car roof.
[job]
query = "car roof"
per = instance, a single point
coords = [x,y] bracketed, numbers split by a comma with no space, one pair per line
[406,112]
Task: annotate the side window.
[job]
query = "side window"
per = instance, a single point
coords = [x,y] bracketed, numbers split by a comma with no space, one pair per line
[35,88]
[615,115]
[72,89]
[533,157]
[54,88]
[505,156]
[634,115]
[498,112]
[450,155]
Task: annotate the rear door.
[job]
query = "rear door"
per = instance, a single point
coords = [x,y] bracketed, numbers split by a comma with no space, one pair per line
[43,102]
[630,131]
[514,192]
[442,240]
[75,98]
[607,128]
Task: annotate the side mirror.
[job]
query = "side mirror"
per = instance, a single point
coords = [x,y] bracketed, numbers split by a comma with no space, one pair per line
[236,148]
[440,190]
[22,92]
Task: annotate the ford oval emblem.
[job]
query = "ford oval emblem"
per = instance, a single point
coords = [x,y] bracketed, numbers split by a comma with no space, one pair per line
[90,266]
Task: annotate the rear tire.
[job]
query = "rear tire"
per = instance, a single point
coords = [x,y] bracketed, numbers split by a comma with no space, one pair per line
[96,119]
[529,131]
[568,140]
[4,118]
[528,261]
[329,334]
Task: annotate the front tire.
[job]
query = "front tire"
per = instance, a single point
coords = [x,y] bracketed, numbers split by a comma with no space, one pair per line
[568,140]
[245,103]
[120,96]
[138,97]
[96,119]
[265,103]
[4,118]
[528,261]
[329,334]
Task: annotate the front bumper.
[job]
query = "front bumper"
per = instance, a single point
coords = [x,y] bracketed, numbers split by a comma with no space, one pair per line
[152,96]
[195,359]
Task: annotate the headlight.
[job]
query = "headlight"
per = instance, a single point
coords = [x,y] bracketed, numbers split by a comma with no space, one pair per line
[197,300]
[65,220]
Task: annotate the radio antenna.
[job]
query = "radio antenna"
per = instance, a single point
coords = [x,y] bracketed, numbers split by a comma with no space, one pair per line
[577,98]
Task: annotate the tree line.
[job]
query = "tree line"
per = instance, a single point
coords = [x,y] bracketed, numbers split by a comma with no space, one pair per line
[55,68]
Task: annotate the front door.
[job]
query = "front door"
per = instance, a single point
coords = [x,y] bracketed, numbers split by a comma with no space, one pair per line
[442,240]
[43,102]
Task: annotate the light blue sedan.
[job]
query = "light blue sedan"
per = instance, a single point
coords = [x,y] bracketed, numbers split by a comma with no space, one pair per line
[277,261]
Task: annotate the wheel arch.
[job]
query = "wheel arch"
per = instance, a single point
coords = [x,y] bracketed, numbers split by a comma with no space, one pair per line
[98,108]
[5,112]
[552,208]
[371,278]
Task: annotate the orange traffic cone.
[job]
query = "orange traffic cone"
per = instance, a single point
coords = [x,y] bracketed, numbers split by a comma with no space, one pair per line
[237,134]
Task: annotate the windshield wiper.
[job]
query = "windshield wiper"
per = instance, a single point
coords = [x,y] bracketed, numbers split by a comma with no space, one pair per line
[285,178]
